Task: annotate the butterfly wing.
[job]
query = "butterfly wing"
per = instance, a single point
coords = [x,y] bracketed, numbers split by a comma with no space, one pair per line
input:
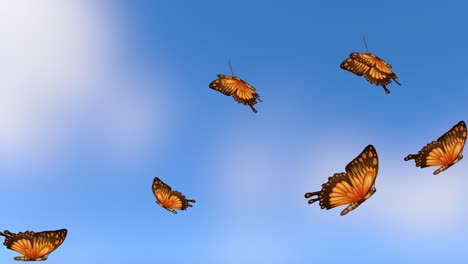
[48,241]
[162,192]
[371,60]
[355,66]
[363,171]
[378,78]
[178,201]
[443,152]
[167,198]
[379,73]
[453,141]
[35,246]
[222,85]
[240,90]
[352,186]
[334,192]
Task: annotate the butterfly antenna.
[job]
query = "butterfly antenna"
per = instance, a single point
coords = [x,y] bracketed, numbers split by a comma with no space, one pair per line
[365,44]
[230,66]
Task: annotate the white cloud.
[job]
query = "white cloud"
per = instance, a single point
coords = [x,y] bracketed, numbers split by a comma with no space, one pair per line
[415,201]
[57,66]
[131,116]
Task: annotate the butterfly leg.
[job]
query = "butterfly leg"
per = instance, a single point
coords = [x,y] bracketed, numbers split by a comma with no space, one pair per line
[386,90]
[310,194]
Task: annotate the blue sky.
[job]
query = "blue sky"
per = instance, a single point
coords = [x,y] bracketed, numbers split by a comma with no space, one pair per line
[98,99]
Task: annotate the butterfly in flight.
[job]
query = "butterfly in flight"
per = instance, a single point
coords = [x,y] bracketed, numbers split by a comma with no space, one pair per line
[444,152]
[376,70]
[168,198]
[241,91]
[352,187]
[34,246]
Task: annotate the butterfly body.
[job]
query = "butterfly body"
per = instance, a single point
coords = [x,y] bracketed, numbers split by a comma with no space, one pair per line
[23,258]
[445,152]
[34,246]
[375,69]
[444,167]
[241,91]
[355,205]
[352,187]
[169,199]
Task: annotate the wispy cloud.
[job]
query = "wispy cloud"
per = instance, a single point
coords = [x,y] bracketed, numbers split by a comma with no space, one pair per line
[414,200]
[59,73]
[248,181]
[408,199]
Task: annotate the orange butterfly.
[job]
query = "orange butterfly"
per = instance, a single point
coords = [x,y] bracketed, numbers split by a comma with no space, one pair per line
[352,187]
[376,70]
[241,91]
[444,152]
[168,198]
[34,246]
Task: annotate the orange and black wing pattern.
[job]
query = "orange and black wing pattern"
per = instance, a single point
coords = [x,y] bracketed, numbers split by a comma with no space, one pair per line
[376,70]
[34,246]
[352,187]
[168,198]
[241,91]
[444,152]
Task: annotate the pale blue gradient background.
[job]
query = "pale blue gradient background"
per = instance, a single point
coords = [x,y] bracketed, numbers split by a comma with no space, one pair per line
[249,172]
